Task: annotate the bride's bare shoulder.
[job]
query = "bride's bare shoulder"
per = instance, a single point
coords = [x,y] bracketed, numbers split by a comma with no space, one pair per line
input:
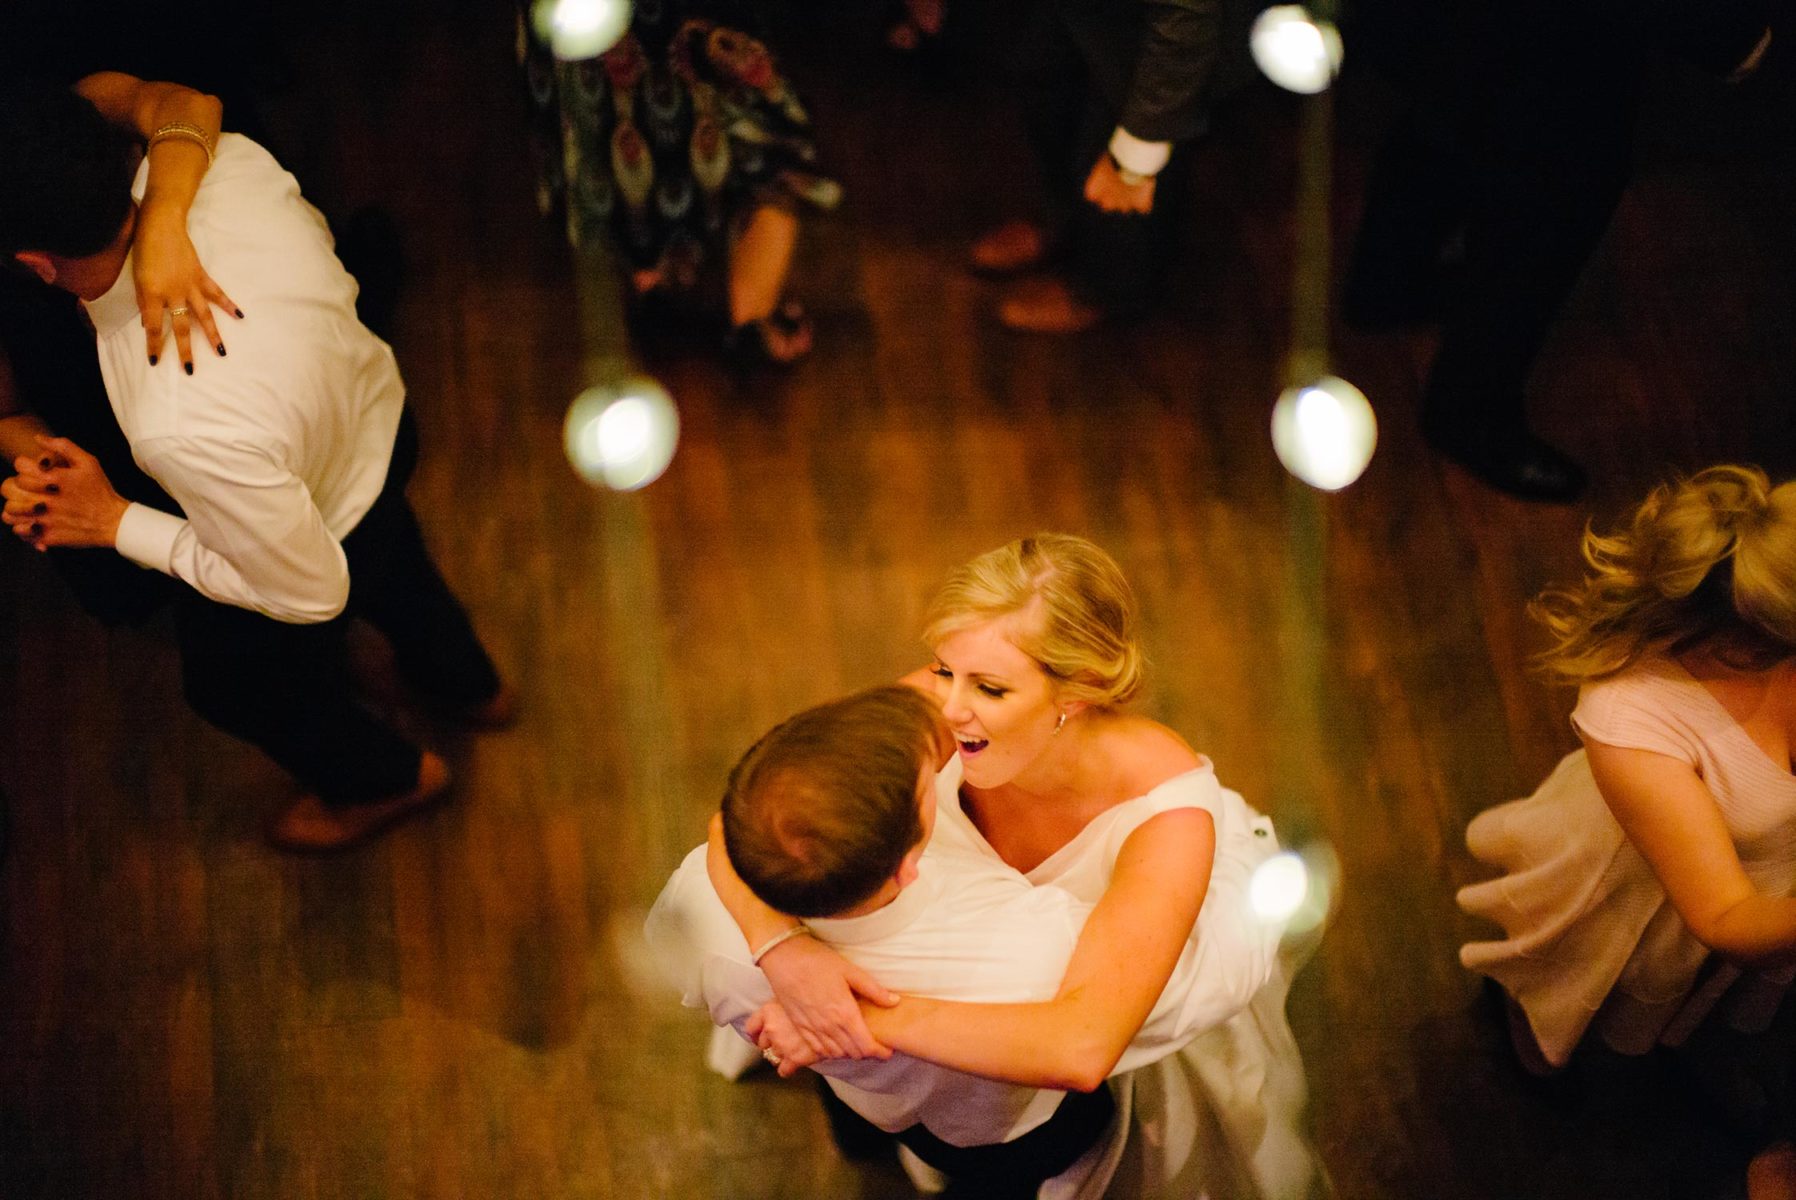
[1149,753]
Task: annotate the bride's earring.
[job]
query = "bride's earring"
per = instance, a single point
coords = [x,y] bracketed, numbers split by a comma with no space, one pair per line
[1060,724]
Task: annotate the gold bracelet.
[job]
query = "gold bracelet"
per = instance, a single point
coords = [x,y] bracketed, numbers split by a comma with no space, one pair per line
[184,131]
[778,939]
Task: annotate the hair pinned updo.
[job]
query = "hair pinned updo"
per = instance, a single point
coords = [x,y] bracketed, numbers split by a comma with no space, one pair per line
[1706,563]
[1074,613]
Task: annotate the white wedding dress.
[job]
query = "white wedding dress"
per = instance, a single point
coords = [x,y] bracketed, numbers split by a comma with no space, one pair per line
[1220,1118]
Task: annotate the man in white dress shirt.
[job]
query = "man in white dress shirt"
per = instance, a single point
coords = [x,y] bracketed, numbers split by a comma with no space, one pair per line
[279,469]
[835,810]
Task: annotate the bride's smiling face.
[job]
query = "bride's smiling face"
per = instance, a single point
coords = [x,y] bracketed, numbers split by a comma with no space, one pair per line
[998,701]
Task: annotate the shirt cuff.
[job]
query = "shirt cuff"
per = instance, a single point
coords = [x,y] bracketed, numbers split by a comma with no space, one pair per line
[146,536]
[1133,154]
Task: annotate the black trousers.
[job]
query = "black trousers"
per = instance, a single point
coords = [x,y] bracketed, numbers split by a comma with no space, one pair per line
[1013,1170]
[1522,147]
[287,688]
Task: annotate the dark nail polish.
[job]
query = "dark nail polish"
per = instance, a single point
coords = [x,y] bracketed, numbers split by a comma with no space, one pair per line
[187,367]
[43,464]
[221,350]
[239,313]
[53,489]
[152,360]
[40,508]
[37,530]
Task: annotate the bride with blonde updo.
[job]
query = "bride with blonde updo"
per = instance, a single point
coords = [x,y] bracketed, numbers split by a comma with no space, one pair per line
[1646,886]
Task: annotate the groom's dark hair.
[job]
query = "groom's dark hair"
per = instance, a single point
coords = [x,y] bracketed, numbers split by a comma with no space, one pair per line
[820,812]
[65,182]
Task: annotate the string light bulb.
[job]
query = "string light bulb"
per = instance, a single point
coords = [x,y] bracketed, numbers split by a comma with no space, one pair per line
[1295,889]
[622,435]
[577,29]
[1324,432]
[1295,49]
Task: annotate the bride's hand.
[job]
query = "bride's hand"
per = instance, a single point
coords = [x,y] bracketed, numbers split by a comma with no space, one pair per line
[780,1041]
[171,282]
[817,988]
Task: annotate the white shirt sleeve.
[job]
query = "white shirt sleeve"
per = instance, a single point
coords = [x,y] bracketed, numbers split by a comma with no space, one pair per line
[1137,155]
[252,537]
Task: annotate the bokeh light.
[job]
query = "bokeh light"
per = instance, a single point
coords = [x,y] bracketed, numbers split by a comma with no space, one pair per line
[622,435]
[577,29]
[1295,888]
[1279,887]
[1296,50]
[1324,432]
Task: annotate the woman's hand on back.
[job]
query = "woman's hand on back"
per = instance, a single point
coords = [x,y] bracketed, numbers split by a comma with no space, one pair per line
[817,988]
[173,289]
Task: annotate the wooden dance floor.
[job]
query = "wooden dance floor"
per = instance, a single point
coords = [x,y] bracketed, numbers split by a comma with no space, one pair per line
[461,1010]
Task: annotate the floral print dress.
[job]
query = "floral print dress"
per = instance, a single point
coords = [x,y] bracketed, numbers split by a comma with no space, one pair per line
[668,140]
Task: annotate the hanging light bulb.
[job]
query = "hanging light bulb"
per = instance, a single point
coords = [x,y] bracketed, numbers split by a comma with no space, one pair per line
[622,435]
[1295,889]
[1295,49]
[577,29]
[1324,432]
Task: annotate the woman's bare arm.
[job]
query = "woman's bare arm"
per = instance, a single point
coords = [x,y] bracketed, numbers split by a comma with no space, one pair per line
[1672,818]
[1122,962]
[166,270]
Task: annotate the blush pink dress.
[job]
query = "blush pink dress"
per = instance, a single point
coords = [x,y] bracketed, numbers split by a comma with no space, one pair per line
[1590,939]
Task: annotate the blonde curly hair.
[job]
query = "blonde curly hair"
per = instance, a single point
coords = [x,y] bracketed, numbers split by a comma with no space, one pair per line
[1077,613]
[1707,562]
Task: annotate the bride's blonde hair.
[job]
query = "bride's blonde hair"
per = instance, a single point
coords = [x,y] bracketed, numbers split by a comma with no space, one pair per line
[1706,562]
[1077,612]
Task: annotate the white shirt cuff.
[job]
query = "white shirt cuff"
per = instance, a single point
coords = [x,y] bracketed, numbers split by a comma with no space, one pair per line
[146,536]
[1143,158]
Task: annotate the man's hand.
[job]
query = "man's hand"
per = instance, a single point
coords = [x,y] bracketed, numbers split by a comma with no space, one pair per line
[62,498]
[1105,188]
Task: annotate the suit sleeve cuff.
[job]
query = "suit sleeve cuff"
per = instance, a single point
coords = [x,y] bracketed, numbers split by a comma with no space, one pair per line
[146,536]
[1134,154]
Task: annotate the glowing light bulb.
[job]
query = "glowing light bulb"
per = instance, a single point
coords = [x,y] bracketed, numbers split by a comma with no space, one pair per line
[1324,432]
[577,29]
[622,435]
[1279,887]
[1295,889]
[1295,50]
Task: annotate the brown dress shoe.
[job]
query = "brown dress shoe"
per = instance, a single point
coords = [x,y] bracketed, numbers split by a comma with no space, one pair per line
[1011,247]
[1047,305]
[312,827]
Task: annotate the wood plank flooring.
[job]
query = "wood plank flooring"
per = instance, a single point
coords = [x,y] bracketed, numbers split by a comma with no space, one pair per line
[461,1010]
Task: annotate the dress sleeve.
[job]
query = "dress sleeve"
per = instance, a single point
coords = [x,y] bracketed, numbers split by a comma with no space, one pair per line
[1196,788]
[1639,709]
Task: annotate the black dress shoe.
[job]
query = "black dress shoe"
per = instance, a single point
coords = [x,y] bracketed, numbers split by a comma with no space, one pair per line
[1517,463]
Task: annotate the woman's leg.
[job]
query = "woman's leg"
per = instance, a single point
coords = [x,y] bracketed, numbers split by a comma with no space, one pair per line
[760,258]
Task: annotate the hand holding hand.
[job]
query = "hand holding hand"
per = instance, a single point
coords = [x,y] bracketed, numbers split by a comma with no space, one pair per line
[1105,188]
[817,988]
[780,1041]
[62,498]
[171,283]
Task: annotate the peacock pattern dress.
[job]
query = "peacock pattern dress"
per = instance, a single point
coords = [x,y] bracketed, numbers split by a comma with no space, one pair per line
[668,140]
